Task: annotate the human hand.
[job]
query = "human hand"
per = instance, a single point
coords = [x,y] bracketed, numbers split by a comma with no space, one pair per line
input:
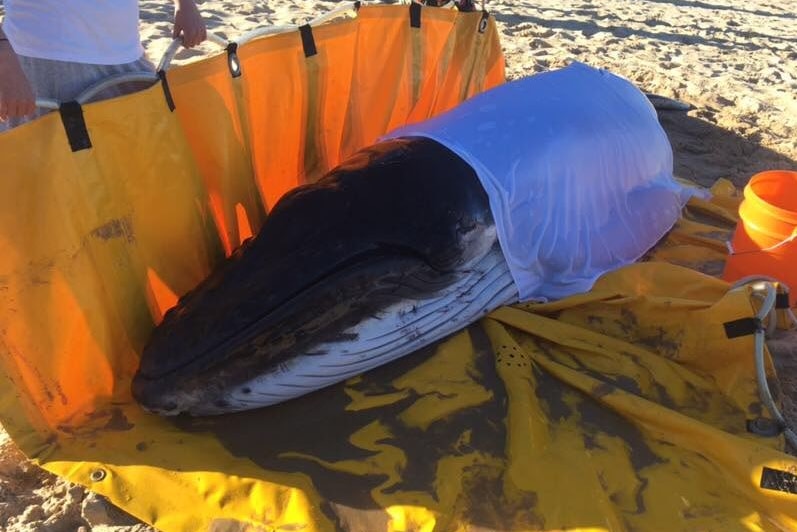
[16,95]
[188,23]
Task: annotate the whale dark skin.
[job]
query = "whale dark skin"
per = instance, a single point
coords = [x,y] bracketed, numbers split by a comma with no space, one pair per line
[388,234]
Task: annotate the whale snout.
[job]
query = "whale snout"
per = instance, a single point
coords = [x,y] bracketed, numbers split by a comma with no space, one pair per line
[151,399]
[155,398]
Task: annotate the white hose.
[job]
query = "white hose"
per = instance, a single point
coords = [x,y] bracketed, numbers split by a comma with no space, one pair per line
[764,393]
[764,278]
[93,90]
[272,30]
[175,45]
[47,103]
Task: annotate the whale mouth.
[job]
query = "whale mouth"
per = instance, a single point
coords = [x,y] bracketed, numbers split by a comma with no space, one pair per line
[391,251]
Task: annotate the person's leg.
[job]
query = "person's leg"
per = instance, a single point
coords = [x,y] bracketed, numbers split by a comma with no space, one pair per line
[64,81]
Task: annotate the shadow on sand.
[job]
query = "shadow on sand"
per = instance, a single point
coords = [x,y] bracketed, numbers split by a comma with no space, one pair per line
[614,24]
[704,152]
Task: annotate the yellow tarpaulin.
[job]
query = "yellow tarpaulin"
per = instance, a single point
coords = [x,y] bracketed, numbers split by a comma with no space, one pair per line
[621,409]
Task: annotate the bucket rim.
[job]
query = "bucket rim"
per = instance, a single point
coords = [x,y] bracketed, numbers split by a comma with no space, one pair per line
[750,194]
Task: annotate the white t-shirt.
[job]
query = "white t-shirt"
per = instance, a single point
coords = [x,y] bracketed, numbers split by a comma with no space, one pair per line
[577,169]
[102,32]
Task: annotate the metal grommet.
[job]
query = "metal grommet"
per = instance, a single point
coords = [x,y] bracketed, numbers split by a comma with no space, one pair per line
[232,60]
[484,21]
[97,475]
[235,66]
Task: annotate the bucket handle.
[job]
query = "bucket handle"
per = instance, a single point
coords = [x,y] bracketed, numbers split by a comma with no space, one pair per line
[782,243]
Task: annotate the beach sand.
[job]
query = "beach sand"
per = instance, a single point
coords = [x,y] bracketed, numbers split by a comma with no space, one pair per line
[734,62]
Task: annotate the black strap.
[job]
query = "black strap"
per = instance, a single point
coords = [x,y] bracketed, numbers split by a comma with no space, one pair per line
[742,327]
[484,21]
[782,301]
[777,480]
[308,42]
[233,63]
[167,93]
[357,5]
[761,426]
[415,15]
[75,126]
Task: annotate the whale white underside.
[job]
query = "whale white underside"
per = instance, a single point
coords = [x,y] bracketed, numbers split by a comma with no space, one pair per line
[396,331]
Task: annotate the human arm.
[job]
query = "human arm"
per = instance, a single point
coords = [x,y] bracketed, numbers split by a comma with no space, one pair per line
[188,23]
[16,94]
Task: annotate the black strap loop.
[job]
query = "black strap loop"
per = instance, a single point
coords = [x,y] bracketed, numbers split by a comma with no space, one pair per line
[742,327]
[233,63]
[782,301]
[415,15]
[777,480]
[767,428]
[167,93]
[308,41]
[75,126]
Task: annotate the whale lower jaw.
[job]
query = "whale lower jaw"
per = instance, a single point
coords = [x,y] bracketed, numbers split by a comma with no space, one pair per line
[401,329]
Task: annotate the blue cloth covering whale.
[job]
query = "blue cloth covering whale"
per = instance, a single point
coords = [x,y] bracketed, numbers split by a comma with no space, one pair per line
[578,170]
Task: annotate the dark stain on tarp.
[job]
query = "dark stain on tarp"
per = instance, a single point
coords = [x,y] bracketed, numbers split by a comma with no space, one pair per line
[596,419]
[44,385]
[708,405]
[316,425]
[99,421]
[319,425]
[548,389]
[602,390]
[40,272]
[118,421]
[661,343]
[663,396]
[591,442]
[117,228]
[628,323]
[484,500]
[596,321]
[425,448]
[628,384]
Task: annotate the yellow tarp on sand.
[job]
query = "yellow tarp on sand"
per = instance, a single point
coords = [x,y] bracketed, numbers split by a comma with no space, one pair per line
[621,409]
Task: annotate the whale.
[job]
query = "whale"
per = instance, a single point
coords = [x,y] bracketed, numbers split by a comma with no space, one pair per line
[389,252]
[529,191]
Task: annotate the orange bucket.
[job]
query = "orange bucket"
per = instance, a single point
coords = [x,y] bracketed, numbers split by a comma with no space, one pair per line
[765,240]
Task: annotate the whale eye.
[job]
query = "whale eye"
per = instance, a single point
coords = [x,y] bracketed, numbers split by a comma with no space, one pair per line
[246,390]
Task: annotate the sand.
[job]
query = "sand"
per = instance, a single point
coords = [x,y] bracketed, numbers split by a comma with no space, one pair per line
[735,62]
